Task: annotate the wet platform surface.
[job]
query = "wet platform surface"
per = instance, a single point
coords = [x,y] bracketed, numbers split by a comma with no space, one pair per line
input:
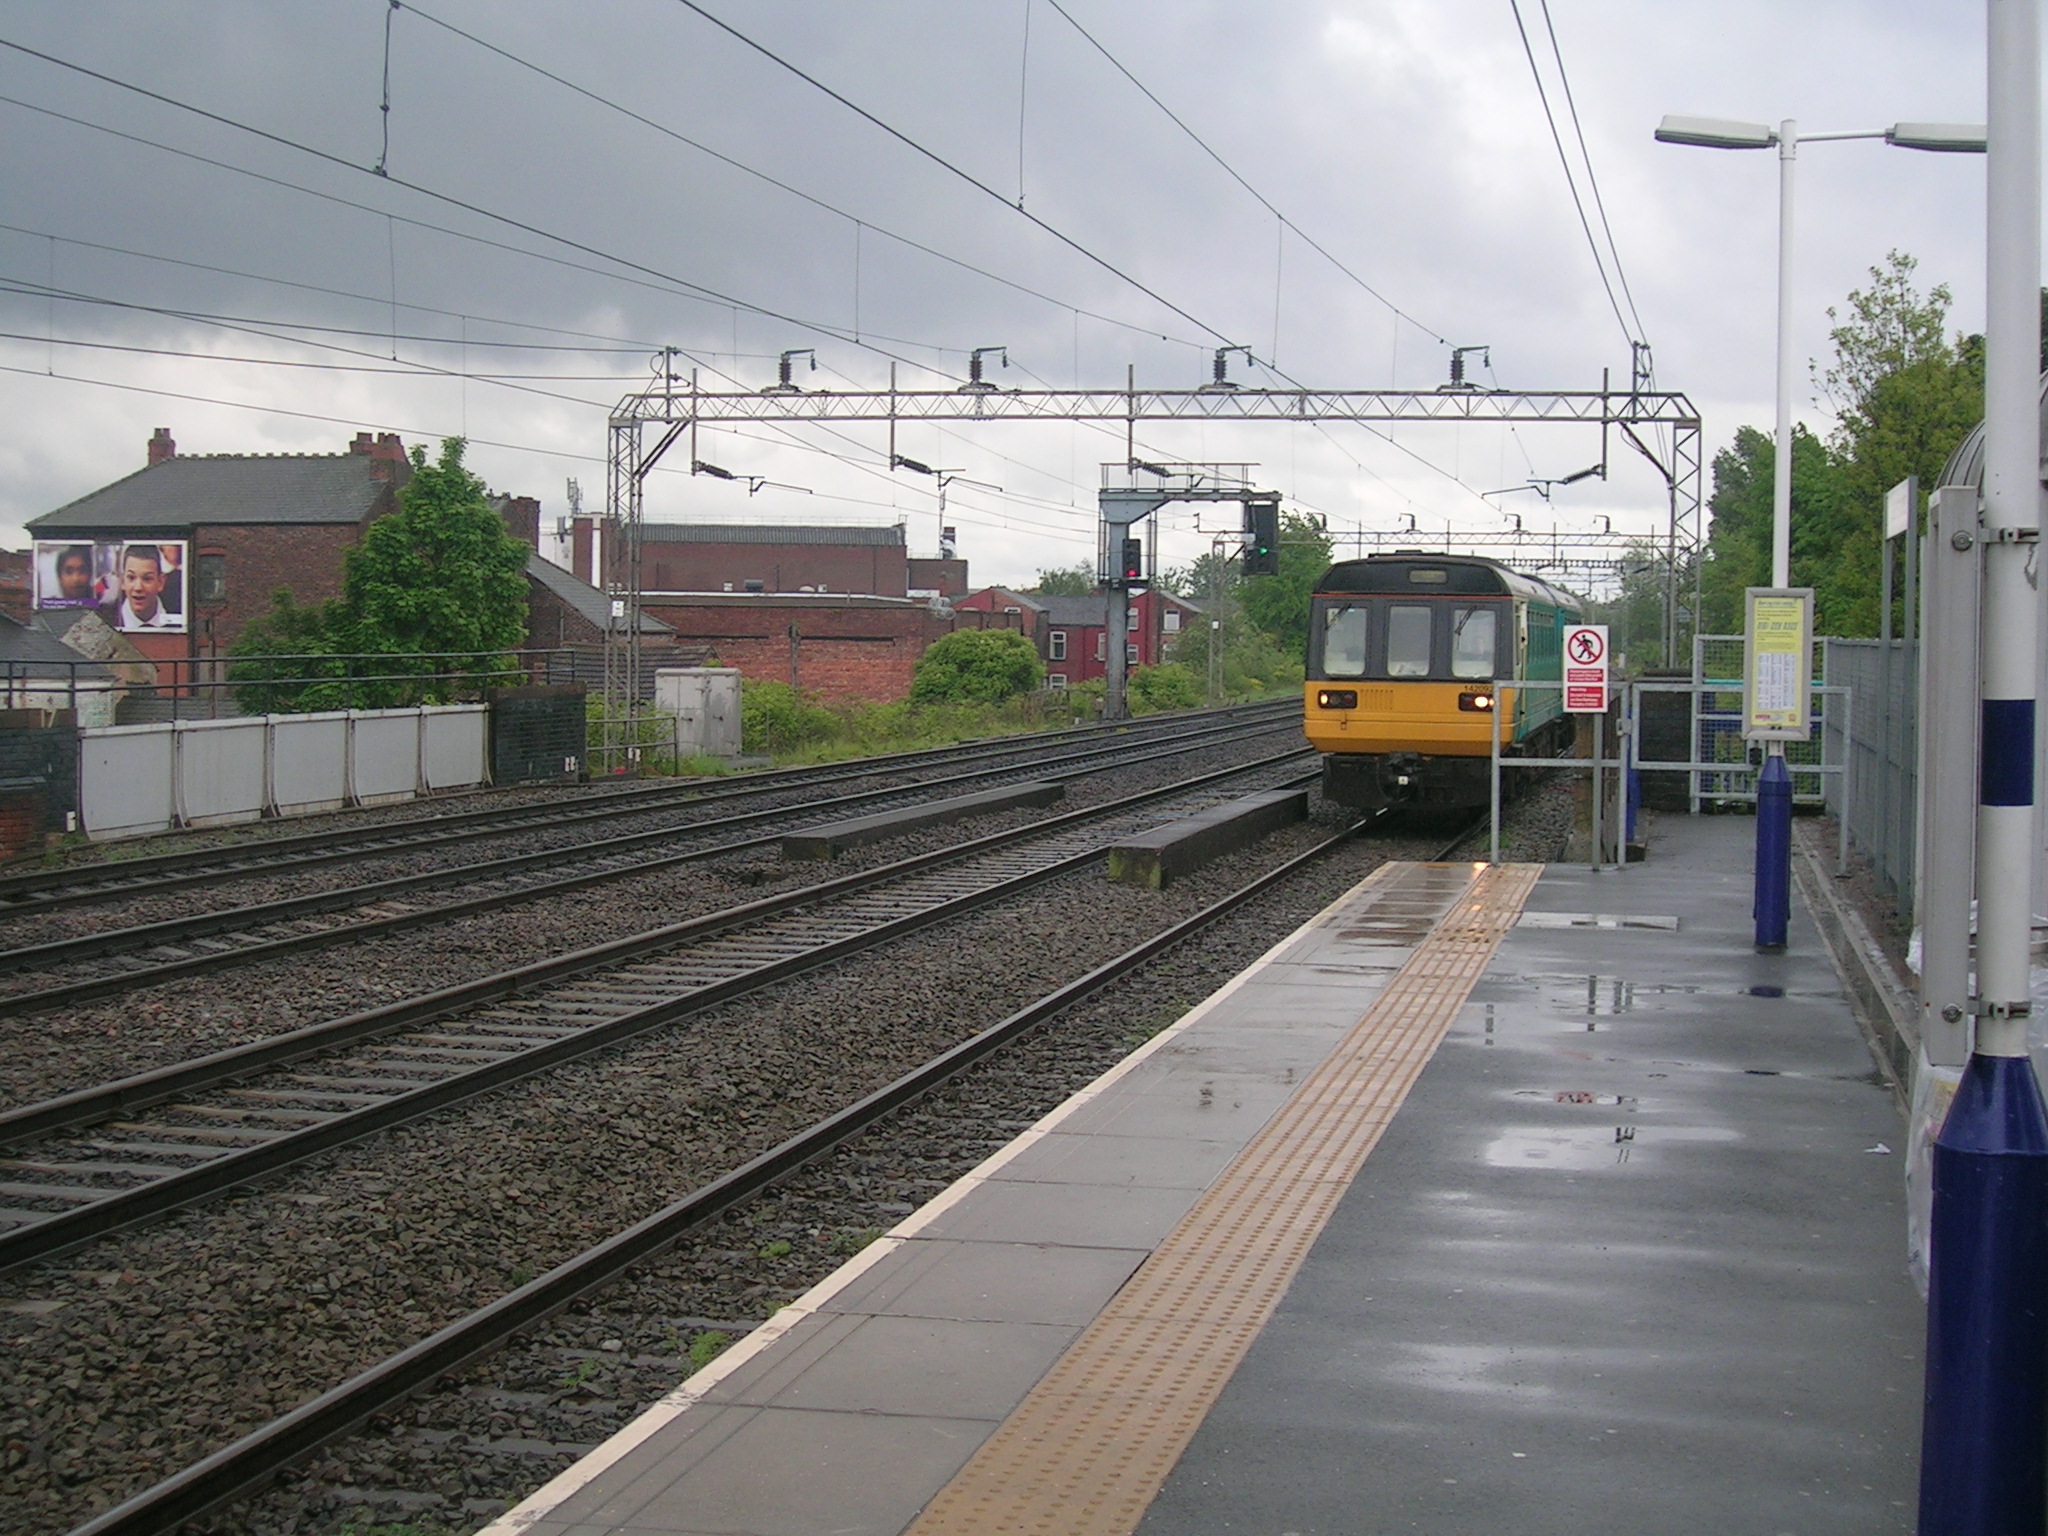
[1627,1258]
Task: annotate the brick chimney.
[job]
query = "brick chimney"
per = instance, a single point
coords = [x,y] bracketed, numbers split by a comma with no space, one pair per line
[582,535]
[362,443]
[522,519]
[384,453]
[160,446]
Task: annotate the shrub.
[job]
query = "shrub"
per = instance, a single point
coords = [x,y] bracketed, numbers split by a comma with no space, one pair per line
[775,718]
[1164,687]
[976,666]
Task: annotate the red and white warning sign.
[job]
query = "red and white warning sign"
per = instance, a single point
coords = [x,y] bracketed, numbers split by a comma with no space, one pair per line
[1585,669]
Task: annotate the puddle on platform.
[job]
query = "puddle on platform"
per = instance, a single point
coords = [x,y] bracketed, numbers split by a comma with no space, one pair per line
[1592,1147]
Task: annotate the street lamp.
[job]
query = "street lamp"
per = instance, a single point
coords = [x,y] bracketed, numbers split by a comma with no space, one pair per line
[1774,785]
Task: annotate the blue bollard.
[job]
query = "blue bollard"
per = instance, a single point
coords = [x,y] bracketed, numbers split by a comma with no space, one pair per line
[1982,1437]
[1773,908]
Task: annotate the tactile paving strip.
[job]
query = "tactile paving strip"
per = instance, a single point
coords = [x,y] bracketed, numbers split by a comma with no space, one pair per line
[1085,1453]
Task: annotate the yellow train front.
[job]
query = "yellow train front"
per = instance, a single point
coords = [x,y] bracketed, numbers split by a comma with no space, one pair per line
[1413,660]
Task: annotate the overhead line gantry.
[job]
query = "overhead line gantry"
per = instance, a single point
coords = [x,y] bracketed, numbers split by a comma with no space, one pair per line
[676,406]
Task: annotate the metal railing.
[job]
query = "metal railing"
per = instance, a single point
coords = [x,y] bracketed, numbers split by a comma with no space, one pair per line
[1716,779]
[220,687]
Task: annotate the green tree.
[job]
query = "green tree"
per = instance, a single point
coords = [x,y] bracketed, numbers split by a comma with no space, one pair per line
[439,584]
[1905,393]
[976,666]
[436,589]
[1739,540]
[1067,581]
[278,657]
[1278,604]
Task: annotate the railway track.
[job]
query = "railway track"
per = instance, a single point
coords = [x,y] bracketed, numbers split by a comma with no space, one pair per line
[26,892]
[238,1115]
[114,961]
[251,1462]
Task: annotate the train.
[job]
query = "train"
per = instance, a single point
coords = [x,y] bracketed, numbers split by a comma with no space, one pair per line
[1412,664]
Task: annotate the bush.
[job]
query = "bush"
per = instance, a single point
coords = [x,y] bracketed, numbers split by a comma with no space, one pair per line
[976,666]
[1164,687]
[776,719]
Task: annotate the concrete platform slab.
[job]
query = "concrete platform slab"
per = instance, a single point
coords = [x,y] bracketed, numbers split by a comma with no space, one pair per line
[1630,1258]
[850,1408]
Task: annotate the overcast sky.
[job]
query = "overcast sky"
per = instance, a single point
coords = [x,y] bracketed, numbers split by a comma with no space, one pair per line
[1405,138]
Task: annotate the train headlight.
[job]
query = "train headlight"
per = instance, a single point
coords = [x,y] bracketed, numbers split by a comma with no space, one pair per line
[1336,698]
[1479,703]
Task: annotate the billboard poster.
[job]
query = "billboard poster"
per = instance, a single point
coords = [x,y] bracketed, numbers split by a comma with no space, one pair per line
[136,585]
[1777,658]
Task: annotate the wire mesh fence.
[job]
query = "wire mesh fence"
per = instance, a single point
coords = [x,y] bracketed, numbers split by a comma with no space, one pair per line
[1880,804]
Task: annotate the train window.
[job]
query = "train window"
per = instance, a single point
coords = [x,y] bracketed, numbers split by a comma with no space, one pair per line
[1472,642]
[1344,641]
[1408,627]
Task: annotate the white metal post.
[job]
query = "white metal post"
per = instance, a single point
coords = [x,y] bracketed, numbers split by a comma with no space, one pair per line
[1493,779]
[2012,491]
[1599,745]
[1985,1427]
[1781,470]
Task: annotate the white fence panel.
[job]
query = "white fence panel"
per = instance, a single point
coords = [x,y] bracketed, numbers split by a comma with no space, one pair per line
[221,770]
[454,746]
[383,754]
[124,780]
[308,762]
[137,779]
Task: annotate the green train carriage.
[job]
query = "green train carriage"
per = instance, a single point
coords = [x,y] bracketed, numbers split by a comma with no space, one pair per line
[1413,662]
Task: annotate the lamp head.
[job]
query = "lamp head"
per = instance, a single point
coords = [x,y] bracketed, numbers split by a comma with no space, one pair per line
[1716,133]
[1941,138]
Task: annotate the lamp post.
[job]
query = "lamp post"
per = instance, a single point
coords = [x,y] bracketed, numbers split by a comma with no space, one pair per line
[1773,906]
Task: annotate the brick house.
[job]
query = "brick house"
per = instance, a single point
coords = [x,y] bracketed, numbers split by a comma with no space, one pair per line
[1072,633]
[837,646]
[252,524]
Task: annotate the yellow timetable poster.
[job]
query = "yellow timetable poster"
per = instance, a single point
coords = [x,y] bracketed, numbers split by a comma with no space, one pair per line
[1777,654]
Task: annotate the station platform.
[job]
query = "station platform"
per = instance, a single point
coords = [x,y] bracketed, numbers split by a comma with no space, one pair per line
[1492,1200]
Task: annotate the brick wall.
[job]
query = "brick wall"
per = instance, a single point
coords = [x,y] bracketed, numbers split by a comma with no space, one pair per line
[879,569]
[16,583]
[302,557]
[838,653]
[38,779]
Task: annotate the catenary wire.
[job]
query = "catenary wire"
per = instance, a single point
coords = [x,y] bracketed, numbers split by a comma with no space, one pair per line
[1230,170]
[1571,181]
[780,185]
[1592,180]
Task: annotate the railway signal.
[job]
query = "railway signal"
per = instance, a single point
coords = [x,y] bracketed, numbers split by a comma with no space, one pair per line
[1262,536]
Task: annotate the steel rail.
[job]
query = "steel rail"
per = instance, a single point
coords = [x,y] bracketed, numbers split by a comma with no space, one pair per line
[250,1463]
[36,891]
[252,920]
[395,1101]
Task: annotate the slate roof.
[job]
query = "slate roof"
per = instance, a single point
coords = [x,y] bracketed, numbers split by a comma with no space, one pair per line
[770,533]
[583,598]
[224,488]
[1076,611]
[34,652]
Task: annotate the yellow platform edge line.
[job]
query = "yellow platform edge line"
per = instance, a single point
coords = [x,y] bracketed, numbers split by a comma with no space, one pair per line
[1090,1446]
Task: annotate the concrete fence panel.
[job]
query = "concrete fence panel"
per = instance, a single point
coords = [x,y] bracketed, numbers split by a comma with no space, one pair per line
[220,770]
[383,754]
[455,747]
[308,762]
[125,780]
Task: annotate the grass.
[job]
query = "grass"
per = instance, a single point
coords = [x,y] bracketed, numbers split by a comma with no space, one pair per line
[707,1347]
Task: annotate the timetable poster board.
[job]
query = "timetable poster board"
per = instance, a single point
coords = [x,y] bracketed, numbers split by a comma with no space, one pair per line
[1777,664]
[136,585]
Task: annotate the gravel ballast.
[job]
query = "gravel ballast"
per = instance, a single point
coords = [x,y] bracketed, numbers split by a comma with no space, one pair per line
[142,1353]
